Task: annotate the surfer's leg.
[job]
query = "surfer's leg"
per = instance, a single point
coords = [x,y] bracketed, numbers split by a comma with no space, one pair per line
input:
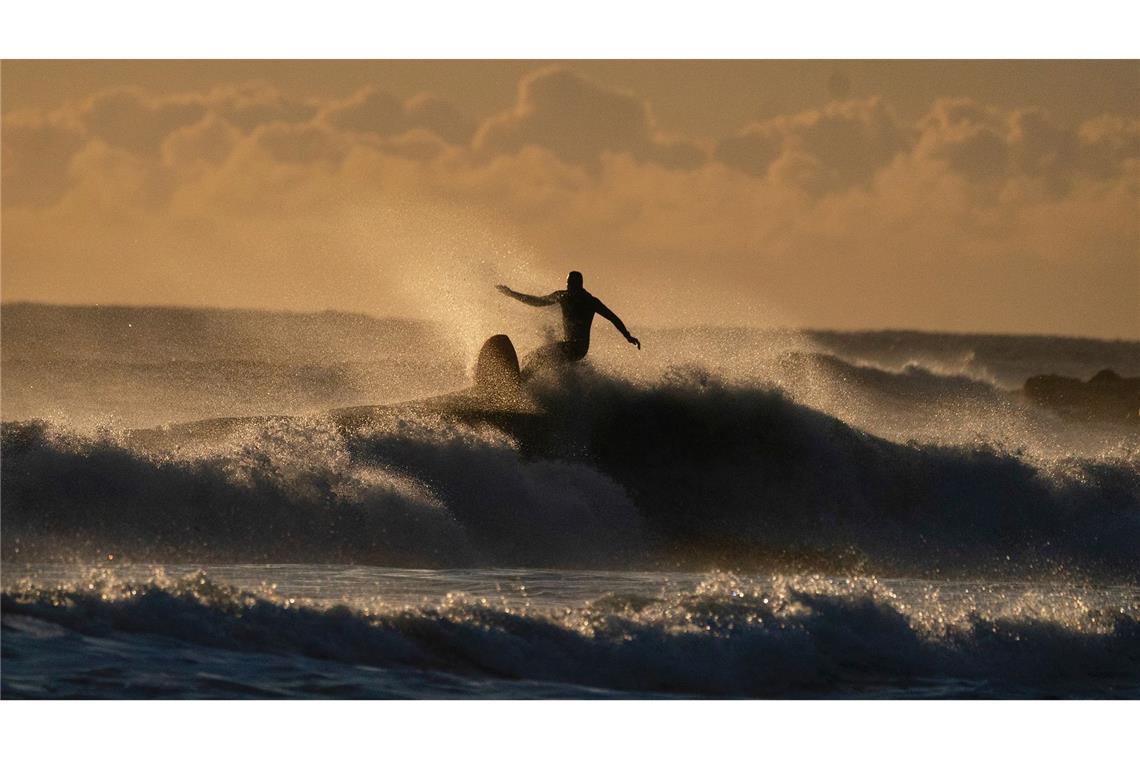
[550,355]
[574,350]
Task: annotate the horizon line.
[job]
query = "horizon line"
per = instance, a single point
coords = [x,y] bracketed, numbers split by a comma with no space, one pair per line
[698,326]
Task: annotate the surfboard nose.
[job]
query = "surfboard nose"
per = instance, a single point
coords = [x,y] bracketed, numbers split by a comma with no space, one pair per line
[497,368]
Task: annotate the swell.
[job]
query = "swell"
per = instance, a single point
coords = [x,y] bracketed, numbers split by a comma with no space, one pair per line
[726,638]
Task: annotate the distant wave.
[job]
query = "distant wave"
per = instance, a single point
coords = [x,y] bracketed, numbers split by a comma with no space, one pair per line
[874,395]
[796,637]
[913,380]
[1003,360]
[690,470]
[916,403]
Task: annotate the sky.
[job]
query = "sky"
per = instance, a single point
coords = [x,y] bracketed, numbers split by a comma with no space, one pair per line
[990,196]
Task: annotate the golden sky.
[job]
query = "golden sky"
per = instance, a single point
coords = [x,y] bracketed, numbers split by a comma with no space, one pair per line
[997,196]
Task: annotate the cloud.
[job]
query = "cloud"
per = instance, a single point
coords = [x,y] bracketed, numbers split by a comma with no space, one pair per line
[826,150]
[969,138]
[579,121]
[37,149]
[251,104]
[845,145]
[136,120]
[116,185]
[127,118]
[209,141]
[433,114]
[1110,145]
[421,145]
[1038,145]
[994,148]
[753,149]
[374,111]
[302,143]
[182,129]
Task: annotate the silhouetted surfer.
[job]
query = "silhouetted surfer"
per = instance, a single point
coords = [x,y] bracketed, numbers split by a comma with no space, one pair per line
[578,310]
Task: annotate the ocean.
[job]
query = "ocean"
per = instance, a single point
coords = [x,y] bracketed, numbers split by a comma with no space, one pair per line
[224,503]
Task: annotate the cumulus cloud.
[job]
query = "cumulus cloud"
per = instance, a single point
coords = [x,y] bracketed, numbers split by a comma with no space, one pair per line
[428,112]
[301,143]
[826,150]
[969,138]
[209,141]
[182,129]
[845,145]
[753,149]
[372,110]
[250,104]
[127,118]
[579,121]
[37,149]
[990,147]
[1110,144]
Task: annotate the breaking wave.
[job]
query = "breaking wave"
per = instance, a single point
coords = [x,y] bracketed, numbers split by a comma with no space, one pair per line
[728,637]
[691,470]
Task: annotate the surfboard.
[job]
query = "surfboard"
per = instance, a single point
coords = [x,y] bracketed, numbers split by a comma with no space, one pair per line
[497,368]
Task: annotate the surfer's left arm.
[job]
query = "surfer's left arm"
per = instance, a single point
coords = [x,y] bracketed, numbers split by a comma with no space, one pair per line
[549,300]
[602,309]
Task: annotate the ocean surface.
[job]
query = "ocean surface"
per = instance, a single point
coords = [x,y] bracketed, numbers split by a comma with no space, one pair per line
[203,503]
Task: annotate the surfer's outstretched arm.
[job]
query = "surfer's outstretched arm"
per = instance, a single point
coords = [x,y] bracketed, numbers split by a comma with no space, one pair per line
[549,300]
[601,308]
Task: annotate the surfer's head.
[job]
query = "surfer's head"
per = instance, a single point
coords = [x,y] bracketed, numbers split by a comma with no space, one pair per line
[574,281]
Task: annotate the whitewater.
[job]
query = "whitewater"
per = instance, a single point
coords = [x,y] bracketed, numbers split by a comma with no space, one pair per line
[210,503]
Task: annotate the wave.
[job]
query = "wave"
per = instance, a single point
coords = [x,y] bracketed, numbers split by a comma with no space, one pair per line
[1003,360]
[913,381]
[291,490]
[740,470]
[690,470]
[917,403]
[729,637]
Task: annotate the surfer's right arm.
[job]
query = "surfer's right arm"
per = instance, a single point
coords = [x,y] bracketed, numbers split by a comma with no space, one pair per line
[601,308]
[549,300]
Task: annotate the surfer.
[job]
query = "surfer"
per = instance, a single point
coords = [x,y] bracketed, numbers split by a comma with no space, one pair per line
[578,310]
